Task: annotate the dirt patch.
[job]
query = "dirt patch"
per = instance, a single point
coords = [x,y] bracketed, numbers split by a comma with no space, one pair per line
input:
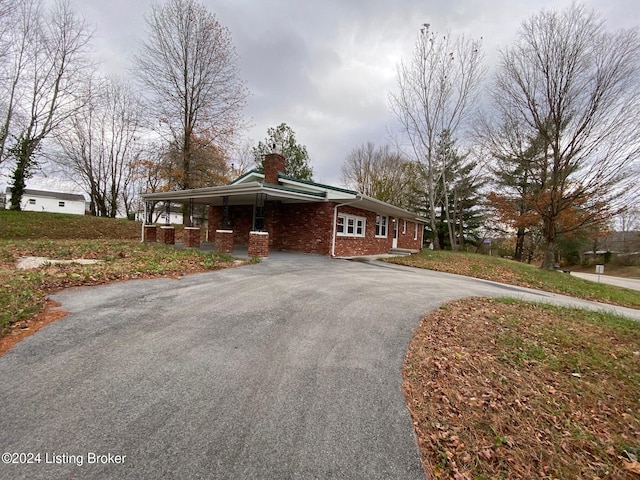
[27,263]
[20,330]
[507,390]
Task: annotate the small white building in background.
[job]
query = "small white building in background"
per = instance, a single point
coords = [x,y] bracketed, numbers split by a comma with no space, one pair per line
[44,201]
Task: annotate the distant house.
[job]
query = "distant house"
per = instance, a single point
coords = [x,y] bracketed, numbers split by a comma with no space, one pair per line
[159,215]
[299,215]
[44,201]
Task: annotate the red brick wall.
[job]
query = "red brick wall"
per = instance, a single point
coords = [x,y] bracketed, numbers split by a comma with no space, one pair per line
[241,217]
[406,240]
[367,245]
[308,228]
[214,221]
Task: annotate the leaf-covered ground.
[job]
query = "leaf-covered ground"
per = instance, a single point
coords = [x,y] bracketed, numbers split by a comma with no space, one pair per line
[502,389]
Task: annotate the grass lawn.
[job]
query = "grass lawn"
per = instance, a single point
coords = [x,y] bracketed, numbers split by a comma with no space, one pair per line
[115,242]
[516,273]
[504,389]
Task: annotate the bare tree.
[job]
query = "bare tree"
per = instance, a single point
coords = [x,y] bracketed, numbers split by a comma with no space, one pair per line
[436,91]
[53,59]
[189,66]
[574,87]
[19,30]
[381,173]
[242,159]
[102,144]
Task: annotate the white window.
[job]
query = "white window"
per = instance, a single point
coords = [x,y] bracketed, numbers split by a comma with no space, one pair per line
[415,233]
[404,227]
[32,201]
[381,226]
[350,226]
[61,204]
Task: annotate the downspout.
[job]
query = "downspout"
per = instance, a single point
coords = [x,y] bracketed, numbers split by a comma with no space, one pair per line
[335,218]
[144,221]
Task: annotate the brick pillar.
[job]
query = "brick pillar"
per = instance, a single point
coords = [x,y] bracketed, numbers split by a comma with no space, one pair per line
[167,235]
[224,241]
[214,222]
[191,237]
[259,244]
[150,233]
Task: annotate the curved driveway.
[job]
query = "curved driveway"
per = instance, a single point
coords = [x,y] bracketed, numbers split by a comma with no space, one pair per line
[289,369]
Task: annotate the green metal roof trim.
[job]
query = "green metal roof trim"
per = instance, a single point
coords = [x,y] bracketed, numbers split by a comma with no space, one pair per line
[321,185]
[294,190]
[250,172]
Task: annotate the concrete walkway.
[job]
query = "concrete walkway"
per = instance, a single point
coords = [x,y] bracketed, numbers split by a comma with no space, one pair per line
[288,369]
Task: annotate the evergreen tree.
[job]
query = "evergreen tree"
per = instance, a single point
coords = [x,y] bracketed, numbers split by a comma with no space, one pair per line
[457,191]
[296,157]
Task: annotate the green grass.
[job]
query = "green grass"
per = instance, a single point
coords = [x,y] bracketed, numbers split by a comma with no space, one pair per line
[114,242]
[35,225]
[521,274]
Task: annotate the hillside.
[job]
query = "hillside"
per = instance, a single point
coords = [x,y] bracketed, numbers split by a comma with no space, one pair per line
[56,226]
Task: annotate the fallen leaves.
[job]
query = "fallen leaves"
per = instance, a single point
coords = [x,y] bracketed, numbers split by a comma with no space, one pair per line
[494,392]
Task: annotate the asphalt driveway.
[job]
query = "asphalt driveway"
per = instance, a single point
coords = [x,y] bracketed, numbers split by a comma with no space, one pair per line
[289,369]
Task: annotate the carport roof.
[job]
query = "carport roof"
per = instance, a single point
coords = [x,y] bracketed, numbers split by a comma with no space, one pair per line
[244,189]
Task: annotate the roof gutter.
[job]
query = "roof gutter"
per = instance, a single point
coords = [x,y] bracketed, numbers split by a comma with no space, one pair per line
[359,198]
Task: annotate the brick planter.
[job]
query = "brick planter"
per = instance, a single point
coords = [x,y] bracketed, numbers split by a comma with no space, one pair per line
[150,233]
[167,235]
[259,244]
[224,241]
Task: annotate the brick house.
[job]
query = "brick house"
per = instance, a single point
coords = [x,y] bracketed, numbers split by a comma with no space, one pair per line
[271,210]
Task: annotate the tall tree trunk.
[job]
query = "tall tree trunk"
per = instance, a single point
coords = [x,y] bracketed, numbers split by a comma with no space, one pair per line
[447,213]
[437,244]
[519,245]
[549,233]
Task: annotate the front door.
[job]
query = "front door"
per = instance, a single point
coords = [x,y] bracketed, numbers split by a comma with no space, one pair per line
[394,243]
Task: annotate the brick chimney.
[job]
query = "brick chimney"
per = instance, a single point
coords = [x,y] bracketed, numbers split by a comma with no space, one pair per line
[274,163]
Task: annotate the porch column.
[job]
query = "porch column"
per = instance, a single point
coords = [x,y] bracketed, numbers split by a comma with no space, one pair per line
[167,235]
[258,212]
[167,212]
[191,237]
[258,244]
[224,241]
[226,222]
[150,233]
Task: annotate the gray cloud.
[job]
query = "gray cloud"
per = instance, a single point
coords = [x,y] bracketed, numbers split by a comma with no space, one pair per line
[326,68]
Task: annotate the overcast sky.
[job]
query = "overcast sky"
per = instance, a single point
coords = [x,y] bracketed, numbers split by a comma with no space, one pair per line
[326,67]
